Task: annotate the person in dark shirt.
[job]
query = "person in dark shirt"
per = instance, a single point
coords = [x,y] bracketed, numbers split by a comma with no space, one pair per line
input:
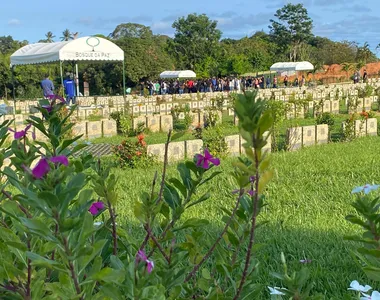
[69,86]
[47,86]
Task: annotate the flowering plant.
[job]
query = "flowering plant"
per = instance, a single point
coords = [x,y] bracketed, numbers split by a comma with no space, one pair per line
[132,154]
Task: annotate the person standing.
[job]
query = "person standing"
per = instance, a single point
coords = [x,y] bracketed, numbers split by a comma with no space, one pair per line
[69,86]
[286,81]
[47,86]
[275,82]
[365,76]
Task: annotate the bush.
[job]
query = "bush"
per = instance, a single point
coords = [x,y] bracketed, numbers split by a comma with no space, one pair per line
[325,118]
[132,154]
[213,140]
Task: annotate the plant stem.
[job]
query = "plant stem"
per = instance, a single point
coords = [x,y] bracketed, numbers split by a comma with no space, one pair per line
[165,167]
[211,250]
[114,233]
[71,266]
[252,231]
[149,231]
[28,294]
[23,209]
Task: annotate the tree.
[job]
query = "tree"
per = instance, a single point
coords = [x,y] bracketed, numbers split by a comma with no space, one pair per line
[131,30]
[292,29]
[365,55]
[49,37]
[195,39]
[66,35]
[347,67]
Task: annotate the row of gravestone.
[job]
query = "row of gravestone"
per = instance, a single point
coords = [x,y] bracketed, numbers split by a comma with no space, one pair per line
[298,137]
[187,149]
[89,130]
[364,127]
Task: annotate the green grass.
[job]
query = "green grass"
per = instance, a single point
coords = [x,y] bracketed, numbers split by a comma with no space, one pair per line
[307,203]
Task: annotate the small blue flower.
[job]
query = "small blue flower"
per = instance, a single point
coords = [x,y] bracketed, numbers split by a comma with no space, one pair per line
[365,188]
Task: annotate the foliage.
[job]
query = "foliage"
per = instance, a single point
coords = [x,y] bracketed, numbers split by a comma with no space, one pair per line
[366,206]
[278,111]
[195,39]
[293,29]
[211,118]
[213,140]
[325,118]
[132,154]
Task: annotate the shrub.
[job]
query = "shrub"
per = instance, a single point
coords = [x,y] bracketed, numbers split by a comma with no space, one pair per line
[197,132]
[132,154]
[213,140]
[325,118]
[211,118]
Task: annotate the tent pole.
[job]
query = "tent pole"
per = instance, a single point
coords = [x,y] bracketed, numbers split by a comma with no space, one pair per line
[77,78]
[13,88]
[124,91]
[63,89]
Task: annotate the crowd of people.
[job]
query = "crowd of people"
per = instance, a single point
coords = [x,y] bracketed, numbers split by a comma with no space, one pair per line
[176,86]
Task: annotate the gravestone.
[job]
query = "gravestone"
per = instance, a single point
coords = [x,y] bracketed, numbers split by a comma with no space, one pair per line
[82,114]
[181,116]
[367,103]
[176,151]
[94,129]
[166,123]
[322,134]
[157,150]
[79,128]
[233,144]
[195,119]
[19,119]
[268,145]
[143,109]
[294,138]
[169,107]
[308,136]
[372,126]
[109,127]
[201,104]
[326,106]
[153,123]
[106,112]
[138,120]
[193,147]
[360,128]
[149,109]
[335,106]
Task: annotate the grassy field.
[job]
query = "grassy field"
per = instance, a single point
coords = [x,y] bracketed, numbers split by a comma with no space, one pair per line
[307,204]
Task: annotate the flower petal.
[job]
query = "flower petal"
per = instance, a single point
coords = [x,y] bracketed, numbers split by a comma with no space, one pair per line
[93,210]
[207,154]
[149,265]
[205,165]
[41,169]
[60,159]
[215,161]
[99,205]
[199,158]
[141,255]
[19,134]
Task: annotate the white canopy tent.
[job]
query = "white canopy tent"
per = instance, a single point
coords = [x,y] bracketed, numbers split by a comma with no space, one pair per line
[89,49]
[292,66]
[178,74]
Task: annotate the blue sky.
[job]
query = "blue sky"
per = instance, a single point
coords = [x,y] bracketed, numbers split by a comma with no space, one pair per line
[357,20]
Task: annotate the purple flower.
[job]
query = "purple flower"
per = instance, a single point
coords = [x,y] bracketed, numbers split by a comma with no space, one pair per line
[141,256]
[49,108]
[60,159]
[249,192]
[96,207]
[56,97]
[41,169]
[204,161]
[21,134]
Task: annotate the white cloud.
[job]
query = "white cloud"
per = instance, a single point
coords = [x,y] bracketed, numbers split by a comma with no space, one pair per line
[14,22]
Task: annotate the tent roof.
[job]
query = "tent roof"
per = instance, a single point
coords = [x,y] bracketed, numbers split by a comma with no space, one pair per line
[82,49]
[178,74]
[292,66]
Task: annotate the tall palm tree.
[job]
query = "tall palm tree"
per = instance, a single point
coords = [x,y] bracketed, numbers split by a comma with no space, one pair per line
[364,53]
[66,35]
[347,67]
[49,37]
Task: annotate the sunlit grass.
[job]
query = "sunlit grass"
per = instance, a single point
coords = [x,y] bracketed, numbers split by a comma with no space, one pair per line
[307,204]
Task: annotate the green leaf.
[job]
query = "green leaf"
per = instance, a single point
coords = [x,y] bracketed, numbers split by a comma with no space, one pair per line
[109,275]
[200,200]
[43,262]
[179,186]
[171,197]
[206,274]
[193,222]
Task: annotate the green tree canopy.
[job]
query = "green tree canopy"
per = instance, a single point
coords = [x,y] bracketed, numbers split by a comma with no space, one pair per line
[292,29]
[196,38]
